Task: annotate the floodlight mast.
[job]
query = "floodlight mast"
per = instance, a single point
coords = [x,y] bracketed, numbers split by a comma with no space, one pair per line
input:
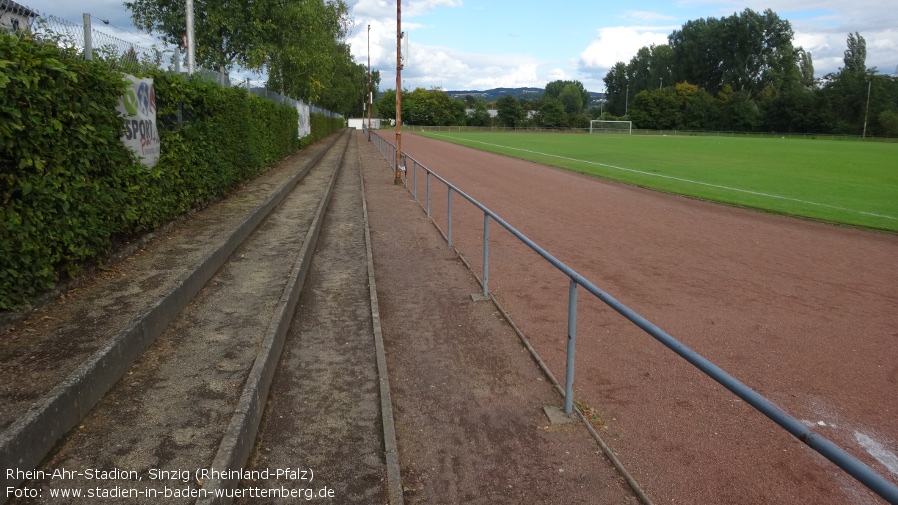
[399,168]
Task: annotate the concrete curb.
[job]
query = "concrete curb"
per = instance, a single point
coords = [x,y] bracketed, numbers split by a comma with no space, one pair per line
[31,437]
[240,435]
[394,476]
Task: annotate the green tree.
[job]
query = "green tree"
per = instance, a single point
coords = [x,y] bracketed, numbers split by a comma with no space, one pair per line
[552,114]
[575,95]
[738,111]
[299,42]
[481,114]
[385,105]
[856,54]
[888,123]
[433,107]
[616,89]
[511,114]
[806,68]
[571,99]
[748,51]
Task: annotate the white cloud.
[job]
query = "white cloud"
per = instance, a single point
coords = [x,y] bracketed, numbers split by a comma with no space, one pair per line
[558,74]
[619,44]
[828,49]
[431,66]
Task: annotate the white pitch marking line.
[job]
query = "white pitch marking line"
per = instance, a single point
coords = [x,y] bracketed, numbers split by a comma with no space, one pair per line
[878,451]
[676,178]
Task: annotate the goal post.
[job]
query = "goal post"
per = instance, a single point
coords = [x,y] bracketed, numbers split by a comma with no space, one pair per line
[606,126]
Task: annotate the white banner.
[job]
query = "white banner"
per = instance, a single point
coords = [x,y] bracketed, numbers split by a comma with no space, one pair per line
[305,125]
[138,106]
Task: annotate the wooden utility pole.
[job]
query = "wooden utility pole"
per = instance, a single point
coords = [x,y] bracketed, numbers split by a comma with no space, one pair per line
[399,167]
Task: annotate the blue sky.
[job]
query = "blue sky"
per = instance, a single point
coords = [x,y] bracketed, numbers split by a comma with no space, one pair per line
[481,44]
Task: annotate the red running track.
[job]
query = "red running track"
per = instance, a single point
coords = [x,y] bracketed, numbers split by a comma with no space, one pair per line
[805,313]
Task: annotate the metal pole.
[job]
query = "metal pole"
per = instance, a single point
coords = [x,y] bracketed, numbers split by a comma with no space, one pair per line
[486,254]
[191,40]
[449,225]
[428,195]
[867,111]
[369,83]
[415,180]
[571,341]
[398,178]
[88,43]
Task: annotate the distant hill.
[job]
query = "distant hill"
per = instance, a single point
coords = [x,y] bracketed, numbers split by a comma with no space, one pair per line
[494,94]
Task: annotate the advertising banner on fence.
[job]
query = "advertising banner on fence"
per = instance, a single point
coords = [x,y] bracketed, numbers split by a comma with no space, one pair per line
[138,106]
[305,125]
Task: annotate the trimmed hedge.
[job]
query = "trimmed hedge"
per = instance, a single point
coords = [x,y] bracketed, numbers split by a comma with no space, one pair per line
[69,187]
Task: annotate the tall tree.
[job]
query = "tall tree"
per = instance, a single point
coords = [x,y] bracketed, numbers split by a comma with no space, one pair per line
[576,92]
[434,107]
[481,114]
[806,68]
[748,51]
[299,42]
[510,112]
[856,54]
[617,89]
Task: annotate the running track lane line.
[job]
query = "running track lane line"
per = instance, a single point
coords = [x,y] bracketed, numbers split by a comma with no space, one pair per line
[756,193]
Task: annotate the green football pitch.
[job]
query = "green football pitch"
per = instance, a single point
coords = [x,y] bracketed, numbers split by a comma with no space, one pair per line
[844,182]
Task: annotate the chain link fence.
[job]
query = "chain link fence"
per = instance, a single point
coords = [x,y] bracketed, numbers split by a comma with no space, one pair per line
[85,40]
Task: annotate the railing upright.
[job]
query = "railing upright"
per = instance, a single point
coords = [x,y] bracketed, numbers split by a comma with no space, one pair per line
[449,212]
[571,346]
[486,255]
[428,195]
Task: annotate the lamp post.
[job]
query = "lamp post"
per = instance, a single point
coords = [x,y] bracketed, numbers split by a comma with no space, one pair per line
[398,179]
[627,101]
[867,110]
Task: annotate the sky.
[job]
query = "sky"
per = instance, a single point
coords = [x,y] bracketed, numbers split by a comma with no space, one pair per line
[484,44]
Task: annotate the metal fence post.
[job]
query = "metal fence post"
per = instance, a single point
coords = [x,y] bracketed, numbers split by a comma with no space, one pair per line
[486,254]
[415,179]
[88,42]
[428,195]
[449,225]
[571,341]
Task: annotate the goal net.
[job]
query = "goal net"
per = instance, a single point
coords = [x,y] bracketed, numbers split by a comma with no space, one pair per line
[604,126]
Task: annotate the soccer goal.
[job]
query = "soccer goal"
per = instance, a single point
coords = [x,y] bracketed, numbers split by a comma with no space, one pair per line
[603,126]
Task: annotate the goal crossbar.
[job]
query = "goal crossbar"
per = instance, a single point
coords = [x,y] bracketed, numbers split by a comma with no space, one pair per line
[596,125]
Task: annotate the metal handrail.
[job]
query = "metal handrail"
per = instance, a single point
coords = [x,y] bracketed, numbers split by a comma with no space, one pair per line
[851,465]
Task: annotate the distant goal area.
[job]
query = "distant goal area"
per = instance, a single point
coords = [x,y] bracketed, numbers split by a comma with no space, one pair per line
[614,127]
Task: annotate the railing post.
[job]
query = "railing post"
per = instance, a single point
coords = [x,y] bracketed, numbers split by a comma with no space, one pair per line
[415,180]
[428,195]
[571,341]
[486,254]
[449,225]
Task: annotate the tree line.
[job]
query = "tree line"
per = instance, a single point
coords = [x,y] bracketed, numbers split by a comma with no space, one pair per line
[737,73]
[563,104]
[743,72]
[299,43]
